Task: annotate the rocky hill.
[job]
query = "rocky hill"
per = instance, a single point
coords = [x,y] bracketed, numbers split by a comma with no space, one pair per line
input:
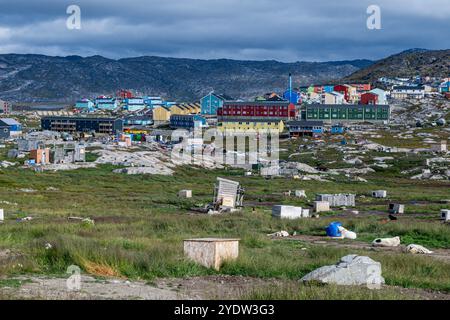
[407,64]
[39,78]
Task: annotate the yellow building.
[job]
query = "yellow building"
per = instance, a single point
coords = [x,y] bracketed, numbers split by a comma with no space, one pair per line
[185,108]
[161,114]
[178,109]
[352,94]
[195,107]
[227,125]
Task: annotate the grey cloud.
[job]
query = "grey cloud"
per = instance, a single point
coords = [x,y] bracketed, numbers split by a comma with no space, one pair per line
[287,30]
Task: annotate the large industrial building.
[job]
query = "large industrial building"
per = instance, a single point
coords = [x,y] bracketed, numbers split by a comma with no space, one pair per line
[9,128]
[330,113]
[82,124]
[280,110]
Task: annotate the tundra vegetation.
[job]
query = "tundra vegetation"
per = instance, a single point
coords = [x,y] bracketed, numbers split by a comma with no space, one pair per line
[140,224]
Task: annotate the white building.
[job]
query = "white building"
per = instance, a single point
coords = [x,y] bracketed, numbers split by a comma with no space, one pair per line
[332,98]
[403,92]
[382,96]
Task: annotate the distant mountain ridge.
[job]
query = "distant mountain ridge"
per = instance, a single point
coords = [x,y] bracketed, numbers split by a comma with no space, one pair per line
[408,63]
[40,78]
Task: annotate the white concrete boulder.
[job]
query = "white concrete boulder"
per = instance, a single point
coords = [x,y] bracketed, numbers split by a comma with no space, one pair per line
[386,242]
[351,270]
[286,212]
[417,249]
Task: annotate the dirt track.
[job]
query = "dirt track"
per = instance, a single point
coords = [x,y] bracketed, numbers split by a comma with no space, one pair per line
[441,254]
[195,288]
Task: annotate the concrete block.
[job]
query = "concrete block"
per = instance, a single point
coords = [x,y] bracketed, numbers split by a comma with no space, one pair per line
[185,194]
[300,193]
[305,213]
[338,200]
[2,215]
[396,208]
[445,214]
[211,252]
[379,194]
[286,212]
[321,206]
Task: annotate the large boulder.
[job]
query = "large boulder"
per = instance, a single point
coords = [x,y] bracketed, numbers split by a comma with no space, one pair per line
[350,270]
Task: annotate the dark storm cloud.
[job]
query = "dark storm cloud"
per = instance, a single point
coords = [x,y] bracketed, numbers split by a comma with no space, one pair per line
[287,30]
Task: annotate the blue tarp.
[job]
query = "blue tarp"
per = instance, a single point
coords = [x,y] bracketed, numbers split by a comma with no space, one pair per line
[333,229]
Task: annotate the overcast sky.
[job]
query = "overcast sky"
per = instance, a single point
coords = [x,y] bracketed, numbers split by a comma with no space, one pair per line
[285,30]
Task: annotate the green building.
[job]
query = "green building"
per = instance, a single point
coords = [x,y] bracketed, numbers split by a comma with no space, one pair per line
[346,112]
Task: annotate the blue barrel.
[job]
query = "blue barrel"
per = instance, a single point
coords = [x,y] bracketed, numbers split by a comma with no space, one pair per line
[333,229]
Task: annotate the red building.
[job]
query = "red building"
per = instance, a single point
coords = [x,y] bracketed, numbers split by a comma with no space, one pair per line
[342,89]
[362,86]
[124,94]
[282,110]
[369,98]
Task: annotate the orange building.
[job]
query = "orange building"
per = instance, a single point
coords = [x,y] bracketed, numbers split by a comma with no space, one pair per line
[40,156]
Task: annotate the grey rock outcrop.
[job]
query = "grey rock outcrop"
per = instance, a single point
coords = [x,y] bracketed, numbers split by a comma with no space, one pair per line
[350,270]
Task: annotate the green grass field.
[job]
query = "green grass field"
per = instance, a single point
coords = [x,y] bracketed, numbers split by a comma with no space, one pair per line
[140,225]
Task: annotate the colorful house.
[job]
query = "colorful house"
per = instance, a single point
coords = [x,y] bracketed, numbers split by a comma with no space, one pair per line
[10,128]
[106,103]
[134,104]
[124,94]
[161,114]
[187,121]
[305,128]
[362,86]
[152,102]
[179,109]
[292,96]
[84,104]
[369,98]
[382,99]
[248,110]
[350,93]
[337,129]
[332,98]
[143,120]
[328,88]
[403,92]
[257,125]
[444,87]
[213,101]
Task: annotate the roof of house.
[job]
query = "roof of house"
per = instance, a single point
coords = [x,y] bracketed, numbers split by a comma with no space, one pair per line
[306,123]
[408,88]
[257,103]
[250,120]
[164,107]
[220,96]
[81,118]
[345,106]
[10,121]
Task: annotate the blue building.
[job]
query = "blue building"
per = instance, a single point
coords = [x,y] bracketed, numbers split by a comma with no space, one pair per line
[337,129]
[305,128]
[292,96]
[187,121]
[151,101]
[211,102]
[85,104]
[105,103]
[144,120]
[82,124]
[9,128]
[328,88]
[444,87]
[134,104]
